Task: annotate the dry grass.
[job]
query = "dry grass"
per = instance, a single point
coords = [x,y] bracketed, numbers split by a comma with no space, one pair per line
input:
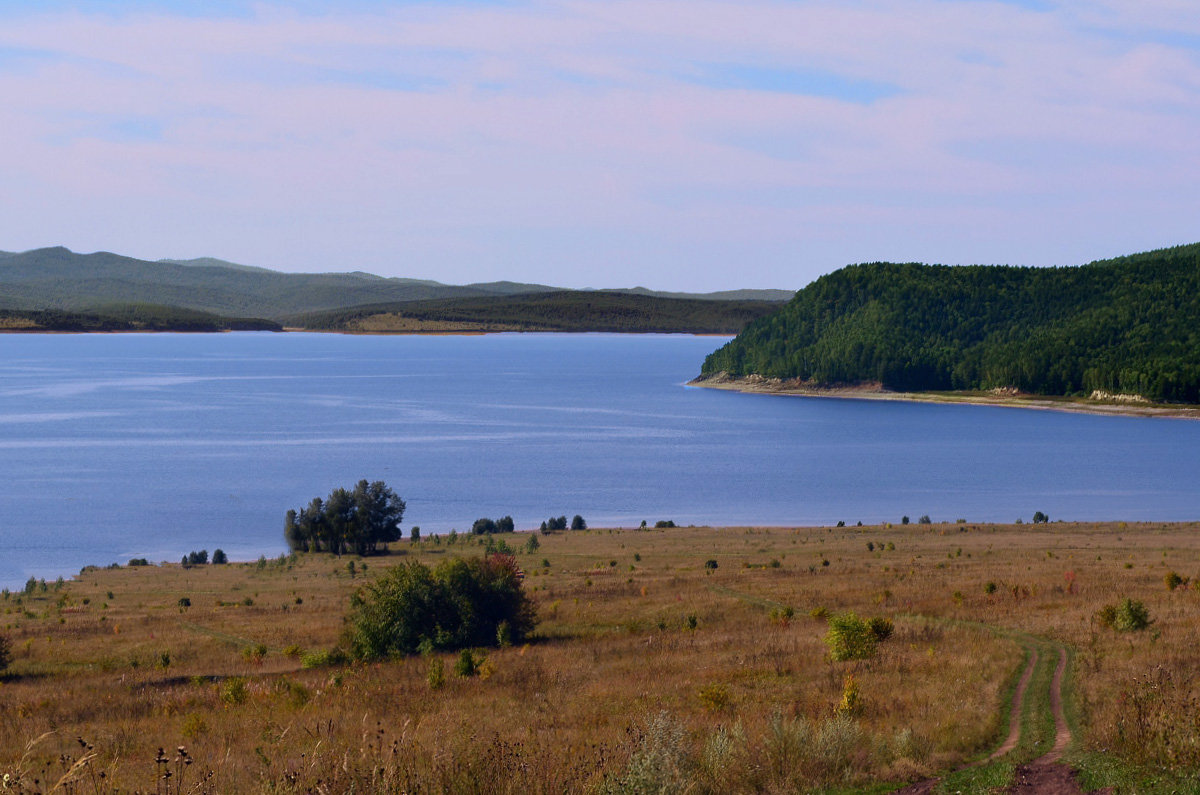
[650,672]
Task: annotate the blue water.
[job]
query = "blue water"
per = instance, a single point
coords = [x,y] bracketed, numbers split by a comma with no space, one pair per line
[120,446]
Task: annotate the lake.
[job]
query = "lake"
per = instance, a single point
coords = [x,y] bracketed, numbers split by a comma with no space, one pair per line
[153,445]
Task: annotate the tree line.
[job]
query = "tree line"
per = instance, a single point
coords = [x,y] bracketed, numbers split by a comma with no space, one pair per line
[1129,325]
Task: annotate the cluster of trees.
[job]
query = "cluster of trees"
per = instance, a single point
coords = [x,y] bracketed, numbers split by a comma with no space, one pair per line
[1122,326]
[193,558]
[362,520]
[462,603]
[560,523]
[487,526]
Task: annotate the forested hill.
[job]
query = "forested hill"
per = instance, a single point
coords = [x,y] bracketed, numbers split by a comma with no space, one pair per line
[1129,325]
[564,310]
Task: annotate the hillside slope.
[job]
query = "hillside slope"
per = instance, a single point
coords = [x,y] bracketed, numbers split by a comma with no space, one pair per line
[56,278]
[1128,325]
[59,279]
[563,310]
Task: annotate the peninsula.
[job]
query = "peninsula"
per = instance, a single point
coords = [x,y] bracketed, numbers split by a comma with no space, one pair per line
[1119,335]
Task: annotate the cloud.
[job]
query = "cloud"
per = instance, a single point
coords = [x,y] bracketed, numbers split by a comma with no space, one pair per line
[697,144]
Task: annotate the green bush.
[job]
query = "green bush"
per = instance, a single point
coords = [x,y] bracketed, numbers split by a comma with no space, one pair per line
[467,664]
[233,690]
[1129,616]
[460,604]
[436,675]
[850,637]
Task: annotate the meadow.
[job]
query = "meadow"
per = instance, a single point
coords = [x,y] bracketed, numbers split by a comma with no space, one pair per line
[665,660]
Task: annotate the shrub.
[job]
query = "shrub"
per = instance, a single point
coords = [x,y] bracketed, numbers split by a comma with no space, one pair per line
[577,523]
[1132,616]
[138,562]
[714,697]
[850,638]
[664,523]
[882,628]
[194,727]
[851,703]
[782,616]
[466,665]
[710,564]
[219,557]
[233,691]
[436,676]
[1129,616]
[460,604]
[5,652]
[1173,580]
[255,652]
[1040,518]
[925,520]
[903,520]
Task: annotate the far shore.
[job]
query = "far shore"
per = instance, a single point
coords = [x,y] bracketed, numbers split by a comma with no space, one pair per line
[1006,399]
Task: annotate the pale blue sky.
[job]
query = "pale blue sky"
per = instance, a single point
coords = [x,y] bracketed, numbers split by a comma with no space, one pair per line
[678,144]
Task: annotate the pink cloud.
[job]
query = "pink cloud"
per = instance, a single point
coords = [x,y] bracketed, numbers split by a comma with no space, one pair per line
[567,142]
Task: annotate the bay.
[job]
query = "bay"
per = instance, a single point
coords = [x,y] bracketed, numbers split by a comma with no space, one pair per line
[121,446]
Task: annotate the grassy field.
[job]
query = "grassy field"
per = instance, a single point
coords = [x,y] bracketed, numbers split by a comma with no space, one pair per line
[652,670]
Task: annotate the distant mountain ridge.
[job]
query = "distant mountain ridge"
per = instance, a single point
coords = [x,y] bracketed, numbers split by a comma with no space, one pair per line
[58,279]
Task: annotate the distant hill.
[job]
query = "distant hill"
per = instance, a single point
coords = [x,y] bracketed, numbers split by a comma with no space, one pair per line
[131,317]
[1129,326]
[61,280]
[563,310]
[55,278]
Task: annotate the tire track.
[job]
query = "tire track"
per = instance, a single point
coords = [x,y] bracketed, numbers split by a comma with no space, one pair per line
[1045,774]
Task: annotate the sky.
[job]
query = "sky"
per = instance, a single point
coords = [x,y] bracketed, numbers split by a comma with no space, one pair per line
[676,144]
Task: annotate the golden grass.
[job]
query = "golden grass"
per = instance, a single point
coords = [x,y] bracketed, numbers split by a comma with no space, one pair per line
[645,660]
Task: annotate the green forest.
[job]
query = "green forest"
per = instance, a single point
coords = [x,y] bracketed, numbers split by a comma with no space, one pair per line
[561,310]
[128,317]
[1128,325]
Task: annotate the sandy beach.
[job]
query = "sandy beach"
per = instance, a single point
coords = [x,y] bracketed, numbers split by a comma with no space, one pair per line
[1118,406]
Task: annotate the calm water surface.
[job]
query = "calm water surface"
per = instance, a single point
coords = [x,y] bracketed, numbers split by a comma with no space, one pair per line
[120,446]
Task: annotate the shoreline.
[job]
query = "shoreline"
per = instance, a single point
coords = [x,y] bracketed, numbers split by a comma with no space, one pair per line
[874,391]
